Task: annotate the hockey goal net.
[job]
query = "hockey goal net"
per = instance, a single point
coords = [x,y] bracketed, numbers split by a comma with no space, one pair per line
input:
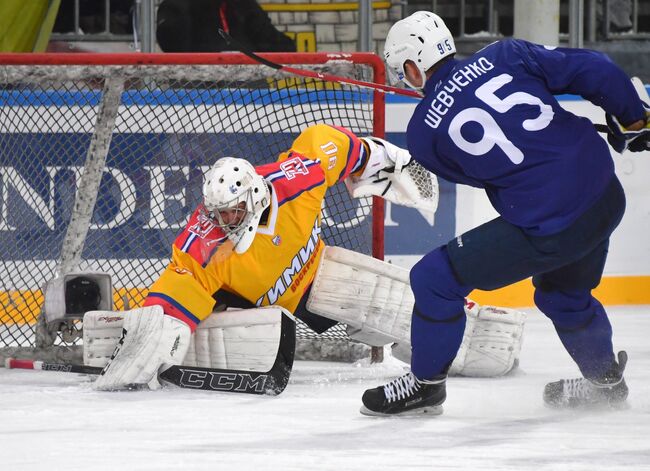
[102,160]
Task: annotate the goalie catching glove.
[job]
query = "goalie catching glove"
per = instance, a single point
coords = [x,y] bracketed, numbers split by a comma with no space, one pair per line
[622,139]
[391,174]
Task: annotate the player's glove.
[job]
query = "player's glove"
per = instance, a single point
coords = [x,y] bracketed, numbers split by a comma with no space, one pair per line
[622,139]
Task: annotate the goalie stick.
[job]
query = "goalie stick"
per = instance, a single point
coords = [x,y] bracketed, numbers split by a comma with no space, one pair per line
[271,382]
[317,75]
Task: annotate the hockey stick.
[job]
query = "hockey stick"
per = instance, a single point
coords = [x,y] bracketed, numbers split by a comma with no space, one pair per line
[45,366]
[189,377]
[334,78]
[602,128]
[230,41]
[271,382]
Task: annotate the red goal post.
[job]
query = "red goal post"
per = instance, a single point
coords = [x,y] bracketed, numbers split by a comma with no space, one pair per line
[147,126]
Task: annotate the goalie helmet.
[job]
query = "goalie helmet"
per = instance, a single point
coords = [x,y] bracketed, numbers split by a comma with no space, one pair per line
[234,198]
[422,38]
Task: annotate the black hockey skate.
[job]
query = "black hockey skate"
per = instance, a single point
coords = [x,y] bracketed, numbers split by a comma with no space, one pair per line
[610,390]
[406,395]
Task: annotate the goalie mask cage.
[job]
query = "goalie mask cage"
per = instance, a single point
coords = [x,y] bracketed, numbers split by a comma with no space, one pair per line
[102,159]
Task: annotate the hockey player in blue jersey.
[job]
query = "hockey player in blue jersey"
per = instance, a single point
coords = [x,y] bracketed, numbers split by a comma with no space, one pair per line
[491,121]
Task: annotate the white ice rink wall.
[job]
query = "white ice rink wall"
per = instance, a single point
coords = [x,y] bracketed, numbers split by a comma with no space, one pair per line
[627,273]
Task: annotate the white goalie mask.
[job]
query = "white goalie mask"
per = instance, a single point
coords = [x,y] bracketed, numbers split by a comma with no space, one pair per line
[422,38]
[234,197]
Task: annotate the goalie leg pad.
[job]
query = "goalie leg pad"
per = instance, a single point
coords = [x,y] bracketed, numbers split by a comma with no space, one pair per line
[237,339]
[491,342]
[102,331]
[367,294]
[402,351]
[367,338]
[375,300]
[150,343]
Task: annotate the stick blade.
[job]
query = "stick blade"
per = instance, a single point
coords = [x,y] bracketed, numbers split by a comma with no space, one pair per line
[641,90]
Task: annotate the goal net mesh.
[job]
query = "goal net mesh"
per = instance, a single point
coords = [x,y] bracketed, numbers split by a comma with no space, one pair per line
[154,130]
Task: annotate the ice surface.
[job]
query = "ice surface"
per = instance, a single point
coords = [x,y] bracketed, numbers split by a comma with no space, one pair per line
[54,421]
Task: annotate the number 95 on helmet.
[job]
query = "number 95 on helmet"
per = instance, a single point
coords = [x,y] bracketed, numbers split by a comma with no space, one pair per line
[234,199]
[422,38]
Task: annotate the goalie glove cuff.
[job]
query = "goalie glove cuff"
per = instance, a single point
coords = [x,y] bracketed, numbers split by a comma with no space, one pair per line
[383,155]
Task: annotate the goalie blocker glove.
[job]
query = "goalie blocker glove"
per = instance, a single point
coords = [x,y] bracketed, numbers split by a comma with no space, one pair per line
[151,342]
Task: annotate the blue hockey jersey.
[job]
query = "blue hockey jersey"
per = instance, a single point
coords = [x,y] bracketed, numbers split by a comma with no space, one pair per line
[492,121]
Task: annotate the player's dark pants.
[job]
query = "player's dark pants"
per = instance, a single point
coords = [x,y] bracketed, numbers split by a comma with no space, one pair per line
[565,267]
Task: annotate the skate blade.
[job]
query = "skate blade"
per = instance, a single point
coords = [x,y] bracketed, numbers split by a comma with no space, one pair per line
[597,407]
[422,411]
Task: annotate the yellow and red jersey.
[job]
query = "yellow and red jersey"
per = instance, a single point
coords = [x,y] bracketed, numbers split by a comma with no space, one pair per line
[282,260]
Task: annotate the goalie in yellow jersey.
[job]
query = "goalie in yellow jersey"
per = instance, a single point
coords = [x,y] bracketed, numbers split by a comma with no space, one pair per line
[254,245]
